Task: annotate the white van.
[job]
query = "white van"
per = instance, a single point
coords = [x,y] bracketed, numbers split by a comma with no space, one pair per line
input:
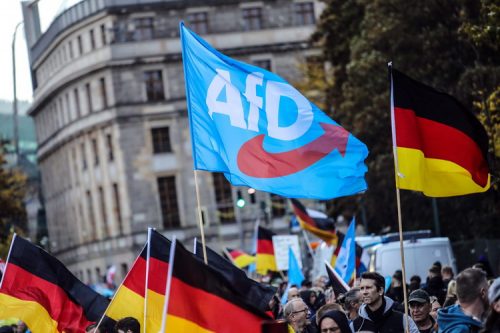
[420,254]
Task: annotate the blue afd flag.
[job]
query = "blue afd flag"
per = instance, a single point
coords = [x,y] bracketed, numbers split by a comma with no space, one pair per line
[261,132]
[295,276]
[345,265]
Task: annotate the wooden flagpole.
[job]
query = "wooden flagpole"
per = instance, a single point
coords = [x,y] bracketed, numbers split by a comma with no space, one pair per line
[398,199]
[200,219]
[169,284]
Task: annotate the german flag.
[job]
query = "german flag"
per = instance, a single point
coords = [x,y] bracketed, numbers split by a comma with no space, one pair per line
[441,147]
[201,300]
[264,259]
[39,290]
[129,298]
[252,292]
[240,258]
[324,228]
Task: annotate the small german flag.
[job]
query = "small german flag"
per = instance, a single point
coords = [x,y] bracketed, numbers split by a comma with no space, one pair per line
[201,301]
[441,147]
[264,259]
[39,290]
[240,258]
[324,228]
[129,298]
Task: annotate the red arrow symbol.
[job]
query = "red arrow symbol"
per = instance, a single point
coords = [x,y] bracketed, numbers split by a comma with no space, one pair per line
[254,161]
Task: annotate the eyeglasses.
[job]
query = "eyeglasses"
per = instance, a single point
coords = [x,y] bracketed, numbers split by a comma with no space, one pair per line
[303,310]
[330,329]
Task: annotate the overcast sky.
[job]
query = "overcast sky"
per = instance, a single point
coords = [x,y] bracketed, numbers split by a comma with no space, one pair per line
[10,15]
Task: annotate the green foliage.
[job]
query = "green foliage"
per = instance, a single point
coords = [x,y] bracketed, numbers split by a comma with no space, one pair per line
[12,212]
[450,45]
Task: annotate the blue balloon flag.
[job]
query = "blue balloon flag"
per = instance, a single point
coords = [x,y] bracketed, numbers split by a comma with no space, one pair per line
[261,132]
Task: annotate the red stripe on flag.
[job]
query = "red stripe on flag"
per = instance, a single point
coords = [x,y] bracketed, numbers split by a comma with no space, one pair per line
[210,311]
[26,286]
[439,141]
[157,279]
[136,278]
[265,246]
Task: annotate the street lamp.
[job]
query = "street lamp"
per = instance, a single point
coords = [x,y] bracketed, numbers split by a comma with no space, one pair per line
[14,102]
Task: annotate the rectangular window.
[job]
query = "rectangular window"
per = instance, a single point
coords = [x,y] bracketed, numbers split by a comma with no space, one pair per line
[109,143]
[161,140]
[104,97]
[117,208]
[102,200]
[95,149]
[98,275]
[90,207]
[103,34]
[92,39]
[77,103]
[84,156]
[70,46]
[304,13]
[144,28]
[278,206]
[263,63]
[89,276]
[89,97]
[198,22]
[80,45]
[168,202]
[154,85]
[223,198]
[252,18]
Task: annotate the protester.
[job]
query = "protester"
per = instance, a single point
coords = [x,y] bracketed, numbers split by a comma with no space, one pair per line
[377,313]
[492,323]
[435,285]
[415,283]
[334,322]
[420,311]
[6,329]
[451,294]
[293,292]
[472,293]
[435,306]
[310,297]
[447,274]
[128,325]
[352,303]
[21,327]
[396,290]
[295,313]
[330,296]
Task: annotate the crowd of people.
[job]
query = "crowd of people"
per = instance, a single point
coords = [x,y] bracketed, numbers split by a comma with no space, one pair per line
[467,303]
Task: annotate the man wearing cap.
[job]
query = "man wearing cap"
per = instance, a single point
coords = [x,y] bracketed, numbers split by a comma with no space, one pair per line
[420,309]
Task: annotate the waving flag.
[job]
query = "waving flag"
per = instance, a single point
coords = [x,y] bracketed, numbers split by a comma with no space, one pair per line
[38,289]
[295,276]
[240,258]
[440,146]
[261,132]
[265,259]
[345,265]
[338,284]
[323,227]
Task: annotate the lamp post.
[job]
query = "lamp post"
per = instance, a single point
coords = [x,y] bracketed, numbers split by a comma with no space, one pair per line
[14,102]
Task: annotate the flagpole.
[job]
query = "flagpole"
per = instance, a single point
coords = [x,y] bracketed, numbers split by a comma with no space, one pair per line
[398,197]
[202,232]
[148,251]
[194,245]
[7,260]
[306,238]
[169,284]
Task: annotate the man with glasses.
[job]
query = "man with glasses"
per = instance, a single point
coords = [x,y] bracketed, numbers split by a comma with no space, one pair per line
[296,313]
[420,311]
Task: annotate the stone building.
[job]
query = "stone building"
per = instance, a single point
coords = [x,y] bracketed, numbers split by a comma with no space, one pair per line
[114,145]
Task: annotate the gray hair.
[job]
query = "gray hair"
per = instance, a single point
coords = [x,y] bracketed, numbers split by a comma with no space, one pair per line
[288,309]
[351,296]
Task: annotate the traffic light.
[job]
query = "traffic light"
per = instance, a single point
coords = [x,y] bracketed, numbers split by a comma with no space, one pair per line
[240,202]
[251,192]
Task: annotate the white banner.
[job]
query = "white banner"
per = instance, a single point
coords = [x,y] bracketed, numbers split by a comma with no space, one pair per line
[281,244]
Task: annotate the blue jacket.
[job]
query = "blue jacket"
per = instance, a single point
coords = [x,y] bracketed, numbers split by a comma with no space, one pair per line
[453,320]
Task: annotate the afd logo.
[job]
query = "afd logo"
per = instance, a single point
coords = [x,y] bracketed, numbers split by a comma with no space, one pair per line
[253,160]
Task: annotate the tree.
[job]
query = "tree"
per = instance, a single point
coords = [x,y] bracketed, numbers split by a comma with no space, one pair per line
[435,42]
[12,212]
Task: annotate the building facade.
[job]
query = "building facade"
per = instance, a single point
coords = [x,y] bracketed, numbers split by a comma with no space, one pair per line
[114,145]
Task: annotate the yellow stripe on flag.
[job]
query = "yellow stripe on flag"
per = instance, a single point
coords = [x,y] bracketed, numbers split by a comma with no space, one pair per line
[32,313]
[264,263]
[154,311]
[127,303]
[178,324]
[243,260]
[434,177]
